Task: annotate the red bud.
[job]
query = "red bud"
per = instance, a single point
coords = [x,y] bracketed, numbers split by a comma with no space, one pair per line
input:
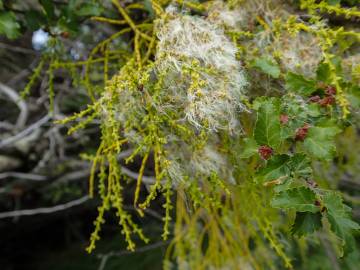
[265,152]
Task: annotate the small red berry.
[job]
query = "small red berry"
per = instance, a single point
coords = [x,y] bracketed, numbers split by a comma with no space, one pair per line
[265,152]
[330,90]
[284,119]
[302,132]
[314,99]
[329,100]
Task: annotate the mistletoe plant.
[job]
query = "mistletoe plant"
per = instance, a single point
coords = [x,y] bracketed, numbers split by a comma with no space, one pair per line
[235,108]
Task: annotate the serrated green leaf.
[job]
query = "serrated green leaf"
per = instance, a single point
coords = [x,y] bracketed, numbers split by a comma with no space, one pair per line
[250,148]
[299,84]
[287,184]
[267,66]
[320,143]
[267,127]
[300,165]
[300,199]
[338,215]
[8,25]
[306,223]
[275,168]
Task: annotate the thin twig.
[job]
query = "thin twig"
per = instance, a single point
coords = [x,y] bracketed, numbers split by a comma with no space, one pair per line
[17,49]
[25,132]
[134,175]
[44,210]
[28,176]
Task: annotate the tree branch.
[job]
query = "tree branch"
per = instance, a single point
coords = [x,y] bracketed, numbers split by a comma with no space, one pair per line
[44,210]
[25,132]
[13,95]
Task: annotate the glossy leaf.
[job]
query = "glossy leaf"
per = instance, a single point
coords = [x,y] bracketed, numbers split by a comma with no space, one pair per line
[320,143]
[267,127]
[300,199]
[338,215]
[276,167]
[300,165]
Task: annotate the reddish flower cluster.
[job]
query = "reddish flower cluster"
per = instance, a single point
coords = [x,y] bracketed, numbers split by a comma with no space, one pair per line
[265,152]
[302,132]
[330,90]
[329,99]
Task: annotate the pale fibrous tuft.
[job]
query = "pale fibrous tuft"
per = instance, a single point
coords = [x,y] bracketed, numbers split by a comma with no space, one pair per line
[201,71]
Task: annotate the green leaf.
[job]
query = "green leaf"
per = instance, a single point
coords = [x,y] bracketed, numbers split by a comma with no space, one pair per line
[306,223]
[300,165]
[90,9]
[288,183]
[320,142]
[300,199]
[267,66]
[323,73]
[267,127]
[8,25]
[68,25]
[338,215]
[275,168]
[313,110]
[34,20]
[49,8]
[250,148]
[299,84]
